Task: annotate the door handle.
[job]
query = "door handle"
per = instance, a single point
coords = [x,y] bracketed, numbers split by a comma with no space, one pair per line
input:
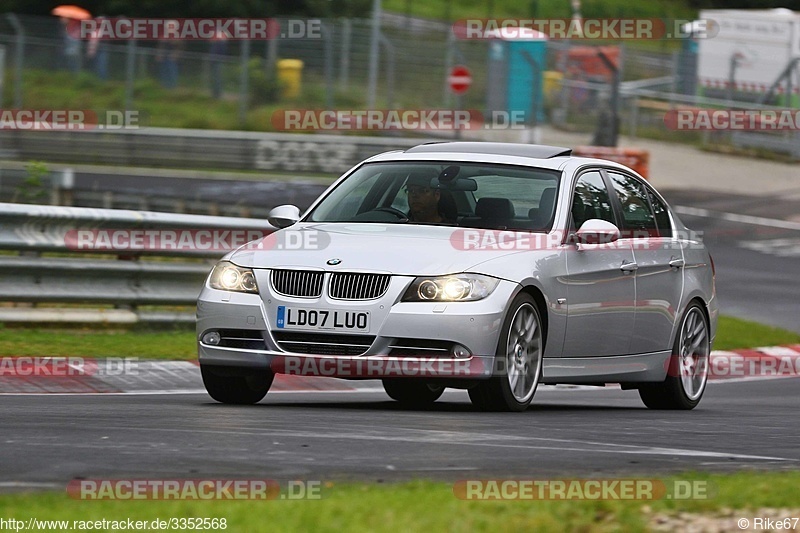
[629,267]
[677,263]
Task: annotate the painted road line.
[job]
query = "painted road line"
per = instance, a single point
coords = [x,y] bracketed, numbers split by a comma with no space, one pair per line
[466,438]
[735,217]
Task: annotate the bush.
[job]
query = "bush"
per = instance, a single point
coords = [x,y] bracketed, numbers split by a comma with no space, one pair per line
[32,189]
[264,86]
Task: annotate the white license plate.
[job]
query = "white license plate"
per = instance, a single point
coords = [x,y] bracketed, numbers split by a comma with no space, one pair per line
[321,319]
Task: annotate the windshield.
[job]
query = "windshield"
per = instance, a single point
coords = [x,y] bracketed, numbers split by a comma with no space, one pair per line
[477,195]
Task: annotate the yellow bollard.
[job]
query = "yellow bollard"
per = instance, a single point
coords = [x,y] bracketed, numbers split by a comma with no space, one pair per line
[552,84]
[290,76]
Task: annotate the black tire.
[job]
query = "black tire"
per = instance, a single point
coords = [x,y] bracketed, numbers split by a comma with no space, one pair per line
[687,373]
[236,385]
[496,393]
[412,393]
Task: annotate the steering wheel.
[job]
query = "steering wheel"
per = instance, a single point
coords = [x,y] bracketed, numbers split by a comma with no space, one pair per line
[399,214]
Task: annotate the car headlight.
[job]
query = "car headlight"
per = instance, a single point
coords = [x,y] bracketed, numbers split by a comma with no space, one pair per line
[229,277]
[454,288]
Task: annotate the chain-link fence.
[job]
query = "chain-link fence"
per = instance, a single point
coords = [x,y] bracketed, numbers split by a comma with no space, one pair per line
[414,58]
[412,68]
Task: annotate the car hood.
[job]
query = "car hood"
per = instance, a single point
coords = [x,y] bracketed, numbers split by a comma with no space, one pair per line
[393,248]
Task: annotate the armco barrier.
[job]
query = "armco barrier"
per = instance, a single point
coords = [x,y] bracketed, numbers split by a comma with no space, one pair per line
[212,149]
[124,279]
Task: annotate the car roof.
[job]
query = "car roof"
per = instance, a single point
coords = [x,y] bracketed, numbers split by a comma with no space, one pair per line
[536,155]
[536,151]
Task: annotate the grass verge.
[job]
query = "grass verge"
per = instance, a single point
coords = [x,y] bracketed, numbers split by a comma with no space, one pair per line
[734,333]
[85,342]
[425,506]
[179,343]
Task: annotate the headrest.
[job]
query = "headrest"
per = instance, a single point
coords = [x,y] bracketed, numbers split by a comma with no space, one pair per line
[548,200]
[500,208]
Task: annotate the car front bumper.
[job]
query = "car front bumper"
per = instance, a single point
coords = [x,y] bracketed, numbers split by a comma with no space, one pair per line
[473,325]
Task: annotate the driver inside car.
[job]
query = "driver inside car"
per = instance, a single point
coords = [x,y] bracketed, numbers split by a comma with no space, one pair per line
[425,200]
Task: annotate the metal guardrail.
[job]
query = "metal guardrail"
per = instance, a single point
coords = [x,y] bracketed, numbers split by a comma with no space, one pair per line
[212,149]
[126,279]
[783,142]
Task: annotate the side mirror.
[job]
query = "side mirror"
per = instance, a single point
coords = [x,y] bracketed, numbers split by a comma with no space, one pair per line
[284,216]
[596,231]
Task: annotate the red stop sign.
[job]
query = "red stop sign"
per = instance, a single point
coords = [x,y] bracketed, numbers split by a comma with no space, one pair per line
[460,79]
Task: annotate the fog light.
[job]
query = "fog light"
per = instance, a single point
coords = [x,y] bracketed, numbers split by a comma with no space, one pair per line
[459,351]
[212,338]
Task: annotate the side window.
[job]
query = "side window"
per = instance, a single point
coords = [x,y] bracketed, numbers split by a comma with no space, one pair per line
[591,199]
[637,217]
[662,216]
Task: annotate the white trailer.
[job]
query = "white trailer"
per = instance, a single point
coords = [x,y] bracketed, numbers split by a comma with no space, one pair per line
[752,51]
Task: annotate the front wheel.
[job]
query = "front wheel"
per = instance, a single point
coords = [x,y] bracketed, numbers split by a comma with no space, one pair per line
[236,385]
[412,393]
[687,373]
[518,359]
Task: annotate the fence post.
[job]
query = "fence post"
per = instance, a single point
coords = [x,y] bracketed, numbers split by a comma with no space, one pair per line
[372,83]
[243,82]
[390,53]
[2,71]
[675,72]
[272,55]
[560,116]
[327,35]
[130,68]
[19,58]
[344,59]
[634,117]
[62,184]
[533,135]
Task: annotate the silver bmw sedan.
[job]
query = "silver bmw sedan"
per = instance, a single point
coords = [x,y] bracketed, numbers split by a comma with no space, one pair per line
[490,267]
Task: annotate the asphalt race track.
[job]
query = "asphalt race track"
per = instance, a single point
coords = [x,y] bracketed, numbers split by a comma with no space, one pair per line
[49,439]
[364,435]
[756,250]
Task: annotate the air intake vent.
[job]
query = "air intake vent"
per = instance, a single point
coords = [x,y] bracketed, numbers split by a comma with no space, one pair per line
[323,343]
[358,286]
[299,283]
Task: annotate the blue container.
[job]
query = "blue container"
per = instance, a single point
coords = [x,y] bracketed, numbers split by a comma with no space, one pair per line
[516,73]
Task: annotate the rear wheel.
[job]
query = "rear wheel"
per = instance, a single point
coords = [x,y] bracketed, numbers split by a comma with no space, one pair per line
[688,367]
[412,393]
[519,360]
[236,385]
